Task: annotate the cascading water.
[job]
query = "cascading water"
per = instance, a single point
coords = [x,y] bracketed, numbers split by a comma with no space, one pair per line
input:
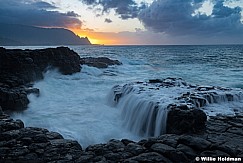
[142,116]
[144,106]
[216,96]
[140,111]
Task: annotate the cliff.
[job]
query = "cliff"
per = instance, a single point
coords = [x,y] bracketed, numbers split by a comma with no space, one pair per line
[21,35]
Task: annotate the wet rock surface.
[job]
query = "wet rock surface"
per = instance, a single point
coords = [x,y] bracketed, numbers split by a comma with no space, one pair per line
[23,66]
[30,144]
[223,137]
[18,68]
[185,121]
[189,133]
[184,103]
[100,62]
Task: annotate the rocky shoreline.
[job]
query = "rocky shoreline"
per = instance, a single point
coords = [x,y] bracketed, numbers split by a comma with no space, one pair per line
[189,133]
[222,138]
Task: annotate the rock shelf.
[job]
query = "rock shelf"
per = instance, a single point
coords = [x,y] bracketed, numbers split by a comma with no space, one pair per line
[170,105]
[223,137]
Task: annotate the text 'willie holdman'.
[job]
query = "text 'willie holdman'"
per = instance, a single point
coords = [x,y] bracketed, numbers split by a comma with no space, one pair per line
[223,159]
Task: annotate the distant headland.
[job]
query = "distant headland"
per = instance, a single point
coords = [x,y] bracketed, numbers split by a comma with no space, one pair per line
[22,35]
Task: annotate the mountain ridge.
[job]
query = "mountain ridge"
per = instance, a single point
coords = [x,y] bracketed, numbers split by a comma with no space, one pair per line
[21,35]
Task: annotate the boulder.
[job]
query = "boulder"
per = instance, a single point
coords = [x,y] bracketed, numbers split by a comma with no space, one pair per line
[13,99]
[100,62]
[181,121]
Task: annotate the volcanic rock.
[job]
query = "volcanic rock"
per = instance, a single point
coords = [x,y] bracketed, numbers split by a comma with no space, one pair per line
[18,68]
[171,103]
[100,62]
[31,144]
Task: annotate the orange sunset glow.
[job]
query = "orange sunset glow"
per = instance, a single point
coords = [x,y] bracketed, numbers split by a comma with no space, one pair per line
[106,38]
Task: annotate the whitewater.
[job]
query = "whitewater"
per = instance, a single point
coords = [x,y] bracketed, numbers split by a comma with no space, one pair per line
[79,106]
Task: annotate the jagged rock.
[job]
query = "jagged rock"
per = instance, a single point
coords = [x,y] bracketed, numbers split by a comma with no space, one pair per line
[100,62]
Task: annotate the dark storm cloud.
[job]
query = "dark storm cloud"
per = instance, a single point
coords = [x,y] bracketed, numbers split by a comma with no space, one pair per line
[43,5]
[221,11]
[124,8]
[107,20]
[175,17]
[36,13]
[72,14]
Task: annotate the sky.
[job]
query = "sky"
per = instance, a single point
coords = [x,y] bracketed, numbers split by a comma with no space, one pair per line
[134,22]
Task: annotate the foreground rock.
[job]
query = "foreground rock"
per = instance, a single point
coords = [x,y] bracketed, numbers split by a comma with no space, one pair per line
[19,144]
[100,62]
[222,139]
[18,68]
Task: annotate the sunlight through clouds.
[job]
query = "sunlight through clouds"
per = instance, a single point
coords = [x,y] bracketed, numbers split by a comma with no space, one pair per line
[177,21]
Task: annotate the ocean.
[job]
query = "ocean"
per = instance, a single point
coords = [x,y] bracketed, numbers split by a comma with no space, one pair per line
[78,105]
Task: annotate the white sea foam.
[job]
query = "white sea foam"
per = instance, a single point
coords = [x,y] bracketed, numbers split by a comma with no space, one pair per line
[145,105]
[76,105]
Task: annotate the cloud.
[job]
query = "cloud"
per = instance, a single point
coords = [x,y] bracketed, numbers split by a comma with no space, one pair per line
[36,13]
[124,8]
[141,37]
[178,18]
[107,20]
[43,5]
[184,22]
[72,14]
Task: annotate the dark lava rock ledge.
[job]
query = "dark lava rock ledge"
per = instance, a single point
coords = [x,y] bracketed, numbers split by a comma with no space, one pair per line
[99,62]
[19,68]
[223,138]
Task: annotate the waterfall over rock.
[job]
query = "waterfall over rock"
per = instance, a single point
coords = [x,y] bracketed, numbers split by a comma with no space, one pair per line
[150,116]
[164,106]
